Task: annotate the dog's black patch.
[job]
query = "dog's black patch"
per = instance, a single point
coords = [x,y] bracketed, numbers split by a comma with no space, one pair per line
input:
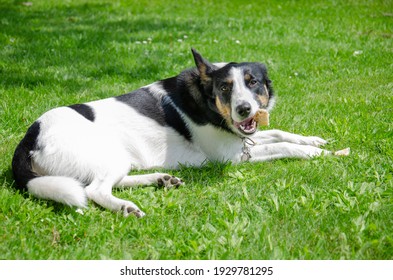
[145,103]
[84,110]
[21,162]
[193,99]
[173,118]
[159,109]
[179,92]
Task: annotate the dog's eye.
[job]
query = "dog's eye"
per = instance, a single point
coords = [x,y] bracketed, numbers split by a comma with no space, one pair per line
[224,88]
[253,82]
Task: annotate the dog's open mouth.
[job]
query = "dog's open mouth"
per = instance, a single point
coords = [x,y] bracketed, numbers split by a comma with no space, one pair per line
[248,126]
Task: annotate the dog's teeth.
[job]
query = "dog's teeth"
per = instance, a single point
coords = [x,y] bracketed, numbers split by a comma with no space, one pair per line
[248,127]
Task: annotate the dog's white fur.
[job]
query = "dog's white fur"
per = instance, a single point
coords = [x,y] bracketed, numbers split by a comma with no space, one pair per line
[120,139]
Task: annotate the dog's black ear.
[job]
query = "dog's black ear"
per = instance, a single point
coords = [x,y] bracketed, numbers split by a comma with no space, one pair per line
[267,82]
[205,68]
[268,85]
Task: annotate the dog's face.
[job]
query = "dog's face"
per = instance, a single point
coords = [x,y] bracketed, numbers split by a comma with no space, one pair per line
[237,91]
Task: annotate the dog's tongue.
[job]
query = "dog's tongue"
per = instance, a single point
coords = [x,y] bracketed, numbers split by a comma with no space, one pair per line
[247,126]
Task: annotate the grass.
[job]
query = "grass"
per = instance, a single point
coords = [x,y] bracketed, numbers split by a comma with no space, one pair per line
[331,64]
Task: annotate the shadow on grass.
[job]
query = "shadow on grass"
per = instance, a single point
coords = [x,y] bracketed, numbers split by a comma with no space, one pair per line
[213,172]
[7,176]
[82,38]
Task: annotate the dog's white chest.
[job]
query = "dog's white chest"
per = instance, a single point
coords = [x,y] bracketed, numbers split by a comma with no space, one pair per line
[217,144]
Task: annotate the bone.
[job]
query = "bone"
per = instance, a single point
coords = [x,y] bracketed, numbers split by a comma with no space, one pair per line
[262,117]
[344,152]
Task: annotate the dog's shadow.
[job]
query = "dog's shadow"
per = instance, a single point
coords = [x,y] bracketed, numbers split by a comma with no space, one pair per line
[7,176]
[211,172]
[8,182]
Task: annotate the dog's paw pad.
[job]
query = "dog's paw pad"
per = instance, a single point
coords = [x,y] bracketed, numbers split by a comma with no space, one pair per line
[130,210]
[168,181]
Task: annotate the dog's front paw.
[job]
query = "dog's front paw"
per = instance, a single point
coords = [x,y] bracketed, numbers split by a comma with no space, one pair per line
[313,141]
[132,210]
[169,181]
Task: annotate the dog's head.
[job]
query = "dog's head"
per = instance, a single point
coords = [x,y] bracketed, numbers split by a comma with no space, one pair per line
[236,91]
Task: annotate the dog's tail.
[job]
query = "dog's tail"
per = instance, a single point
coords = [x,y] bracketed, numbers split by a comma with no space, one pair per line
[58,188]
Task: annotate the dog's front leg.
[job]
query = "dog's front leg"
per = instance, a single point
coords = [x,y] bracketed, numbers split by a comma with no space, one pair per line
[284,150]
[277,136]
[161,179]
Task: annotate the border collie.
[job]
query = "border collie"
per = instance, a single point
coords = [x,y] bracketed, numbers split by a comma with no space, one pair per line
[80,152]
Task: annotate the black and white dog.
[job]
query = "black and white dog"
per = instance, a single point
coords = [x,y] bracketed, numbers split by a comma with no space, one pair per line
[80,152]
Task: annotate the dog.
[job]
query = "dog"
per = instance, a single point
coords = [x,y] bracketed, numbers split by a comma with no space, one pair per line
[206,113]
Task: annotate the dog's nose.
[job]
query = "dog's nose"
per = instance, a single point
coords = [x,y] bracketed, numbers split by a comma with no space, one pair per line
[243,109]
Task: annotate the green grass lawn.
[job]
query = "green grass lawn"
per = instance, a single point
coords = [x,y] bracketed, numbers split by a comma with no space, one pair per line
[331,63]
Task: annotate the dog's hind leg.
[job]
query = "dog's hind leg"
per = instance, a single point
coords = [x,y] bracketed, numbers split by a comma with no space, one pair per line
[162,179]
[100,191]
